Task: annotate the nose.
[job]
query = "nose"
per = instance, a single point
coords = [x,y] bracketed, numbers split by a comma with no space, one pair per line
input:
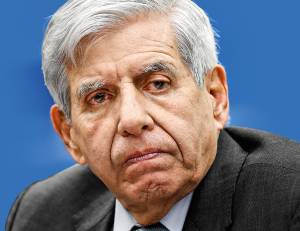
[134,118]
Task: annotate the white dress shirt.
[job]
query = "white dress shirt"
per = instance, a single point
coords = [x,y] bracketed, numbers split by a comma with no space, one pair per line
[174,219]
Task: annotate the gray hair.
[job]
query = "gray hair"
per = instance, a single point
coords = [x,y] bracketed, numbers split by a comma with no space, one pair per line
[78,19]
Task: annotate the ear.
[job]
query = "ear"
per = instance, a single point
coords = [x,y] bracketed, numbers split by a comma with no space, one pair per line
[64,129]
[216,85]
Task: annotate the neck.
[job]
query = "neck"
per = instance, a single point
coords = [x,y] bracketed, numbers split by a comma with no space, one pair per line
[150,213]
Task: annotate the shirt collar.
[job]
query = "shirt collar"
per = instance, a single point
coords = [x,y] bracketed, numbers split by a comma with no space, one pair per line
[174,219]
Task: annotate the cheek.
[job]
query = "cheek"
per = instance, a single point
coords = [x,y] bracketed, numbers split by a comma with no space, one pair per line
[95,143]
[188,119]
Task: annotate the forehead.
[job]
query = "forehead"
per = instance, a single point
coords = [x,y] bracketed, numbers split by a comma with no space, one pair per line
[139,38]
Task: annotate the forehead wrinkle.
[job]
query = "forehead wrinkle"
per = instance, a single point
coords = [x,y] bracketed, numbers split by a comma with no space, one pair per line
[160,43]
[160,47]
[87,87]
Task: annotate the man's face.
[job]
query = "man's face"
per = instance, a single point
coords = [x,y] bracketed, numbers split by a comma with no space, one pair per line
[138,118]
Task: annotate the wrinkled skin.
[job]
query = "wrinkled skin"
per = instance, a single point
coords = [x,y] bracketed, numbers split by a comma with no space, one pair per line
[150,134]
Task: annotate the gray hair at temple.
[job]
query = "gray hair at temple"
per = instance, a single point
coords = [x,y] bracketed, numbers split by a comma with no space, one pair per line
[78,20]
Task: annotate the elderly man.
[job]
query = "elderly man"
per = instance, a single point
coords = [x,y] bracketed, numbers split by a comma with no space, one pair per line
[141,105]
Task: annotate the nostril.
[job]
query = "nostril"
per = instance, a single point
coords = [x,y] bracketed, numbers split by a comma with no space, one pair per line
[145,127]
[125,133]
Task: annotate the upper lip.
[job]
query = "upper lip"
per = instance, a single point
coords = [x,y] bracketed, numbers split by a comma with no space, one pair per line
[144,152]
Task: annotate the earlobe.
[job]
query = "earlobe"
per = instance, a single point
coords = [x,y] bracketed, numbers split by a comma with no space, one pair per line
[216,83]
[63,128]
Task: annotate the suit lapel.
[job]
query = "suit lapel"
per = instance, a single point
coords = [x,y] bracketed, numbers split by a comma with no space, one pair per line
[96,208]
[211,205]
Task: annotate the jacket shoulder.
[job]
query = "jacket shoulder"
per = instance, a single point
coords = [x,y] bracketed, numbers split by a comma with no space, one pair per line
[267,191]
[54,200]
[264,148]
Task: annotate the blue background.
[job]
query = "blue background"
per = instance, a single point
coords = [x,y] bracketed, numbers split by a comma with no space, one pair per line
[259,46]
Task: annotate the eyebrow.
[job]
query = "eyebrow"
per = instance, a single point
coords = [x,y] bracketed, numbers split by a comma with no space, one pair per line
[88,87]
[159,66]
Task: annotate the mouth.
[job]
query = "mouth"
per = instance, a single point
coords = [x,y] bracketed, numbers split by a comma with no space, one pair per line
[139,156]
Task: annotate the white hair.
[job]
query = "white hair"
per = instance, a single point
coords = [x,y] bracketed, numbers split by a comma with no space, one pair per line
[78,19]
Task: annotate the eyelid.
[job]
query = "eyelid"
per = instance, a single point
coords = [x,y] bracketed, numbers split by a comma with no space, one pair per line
[90,96]
[158,77]
[153,80]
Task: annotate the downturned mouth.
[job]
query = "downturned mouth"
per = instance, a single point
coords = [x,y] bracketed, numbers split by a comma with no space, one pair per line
[142,156]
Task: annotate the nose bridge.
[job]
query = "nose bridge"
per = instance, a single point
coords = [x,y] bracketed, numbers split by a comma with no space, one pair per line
[129,100]
[133,115]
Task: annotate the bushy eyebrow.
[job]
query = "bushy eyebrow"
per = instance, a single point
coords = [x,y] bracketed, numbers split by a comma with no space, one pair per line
[88,87]
[159,66]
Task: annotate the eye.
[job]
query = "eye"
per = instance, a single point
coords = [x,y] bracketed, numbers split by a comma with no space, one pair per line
[157,86]
[98,98]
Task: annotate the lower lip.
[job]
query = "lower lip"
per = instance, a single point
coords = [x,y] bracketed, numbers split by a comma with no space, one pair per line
[142,158]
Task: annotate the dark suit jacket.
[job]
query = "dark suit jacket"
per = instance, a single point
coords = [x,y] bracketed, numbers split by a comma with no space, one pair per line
[254,184]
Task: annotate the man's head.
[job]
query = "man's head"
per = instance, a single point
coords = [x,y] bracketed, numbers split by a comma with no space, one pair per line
[79,19]
[140,96]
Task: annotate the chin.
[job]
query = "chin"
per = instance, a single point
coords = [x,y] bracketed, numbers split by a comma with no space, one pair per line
[154,189]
